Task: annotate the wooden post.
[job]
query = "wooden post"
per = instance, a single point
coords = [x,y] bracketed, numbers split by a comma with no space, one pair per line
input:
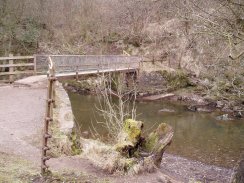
[76,74]
[98,67]
[11,69]
[35,72]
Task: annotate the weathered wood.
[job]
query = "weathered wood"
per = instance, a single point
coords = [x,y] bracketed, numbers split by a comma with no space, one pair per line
[17,65]
[157,97]
[4,81]
[158,141]
[16,73]
[35,64]
[11,65]
[16,58]
[11,69]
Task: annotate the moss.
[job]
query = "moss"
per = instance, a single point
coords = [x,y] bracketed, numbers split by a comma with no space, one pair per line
[79,85]
[133,129]
[154,137]
[151,141]
[128,163]
[129,137]
[75,148]
[175,80]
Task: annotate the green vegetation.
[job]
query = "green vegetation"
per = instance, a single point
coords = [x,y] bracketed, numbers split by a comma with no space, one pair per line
[175,80]
[133,129]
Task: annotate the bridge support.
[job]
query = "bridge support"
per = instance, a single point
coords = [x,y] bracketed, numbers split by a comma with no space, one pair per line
[48,118]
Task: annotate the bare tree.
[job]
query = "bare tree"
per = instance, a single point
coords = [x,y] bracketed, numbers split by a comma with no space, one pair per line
[115,104]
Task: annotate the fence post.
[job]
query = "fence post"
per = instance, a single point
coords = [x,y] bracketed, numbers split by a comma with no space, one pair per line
[35,64]
[11,69]
[76,74]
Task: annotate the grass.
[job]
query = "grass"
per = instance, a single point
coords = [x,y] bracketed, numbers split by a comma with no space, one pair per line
[16,169]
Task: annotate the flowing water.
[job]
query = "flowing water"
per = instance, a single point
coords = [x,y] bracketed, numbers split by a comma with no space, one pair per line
[197,136]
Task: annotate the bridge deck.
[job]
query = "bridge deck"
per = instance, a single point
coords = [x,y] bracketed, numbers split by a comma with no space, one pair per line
[85,72]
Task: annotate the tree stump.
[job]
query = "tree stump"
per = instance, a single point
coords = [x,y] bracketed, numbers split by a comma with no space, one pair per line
[129,138]
[131,143]
[157,142]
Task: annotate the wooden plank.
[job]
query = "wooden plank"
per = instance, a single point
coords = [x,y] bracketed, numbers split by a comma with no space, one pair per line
[16,58]
[4,81]
[17,65]
[11,69]
[16,73]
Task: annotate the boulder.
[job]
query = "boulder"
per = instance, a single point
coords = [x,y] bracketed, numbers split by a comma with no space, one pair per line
[224,117]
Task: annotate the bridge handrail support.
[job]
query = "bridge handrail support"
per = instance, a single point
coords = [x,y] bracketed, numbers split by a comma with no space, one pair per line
[50,104]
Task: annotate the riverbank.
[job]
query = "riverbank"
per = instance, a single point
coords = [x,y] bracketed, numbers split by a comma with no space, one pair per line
[198,94]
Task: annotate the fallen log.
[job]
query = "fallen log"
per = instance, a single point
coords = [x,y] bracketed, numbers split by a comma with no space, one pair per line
[157,97]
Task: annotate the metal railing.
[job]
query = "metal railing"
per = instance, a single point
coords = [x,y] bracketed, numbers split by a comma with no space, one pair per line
[50,104]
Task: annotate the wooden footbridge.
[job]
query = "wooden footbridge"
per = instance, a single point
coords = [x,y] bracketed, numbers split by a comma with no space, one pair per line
[14,67]
[56,66]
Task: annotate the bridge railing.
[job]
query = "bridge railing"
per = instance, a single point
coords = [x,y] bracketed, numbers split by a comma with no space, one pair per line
[77,63]
[14,67]
[50,104]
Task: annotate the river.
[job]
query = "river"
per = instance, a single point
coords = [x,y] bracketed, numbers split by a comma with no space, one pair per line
[197,136]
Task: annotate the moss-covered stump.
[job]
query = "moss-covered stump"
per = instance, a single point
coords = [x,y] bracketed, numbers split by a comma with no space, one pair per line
[129,138]
[157,142]
[132,153]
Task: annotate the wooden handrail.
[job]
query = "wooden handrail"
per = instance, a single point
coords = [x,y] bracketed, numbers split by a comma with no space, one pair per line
[16,58]
[16,72]
[17,65]
[12,64]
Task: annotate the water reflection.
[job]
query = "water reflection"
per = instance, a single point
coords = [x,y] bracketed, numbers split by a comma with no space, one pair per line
[198,136]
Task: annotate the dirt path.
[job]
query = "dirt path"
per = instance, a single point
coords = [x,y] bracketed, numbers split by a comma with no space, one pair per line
[22,113]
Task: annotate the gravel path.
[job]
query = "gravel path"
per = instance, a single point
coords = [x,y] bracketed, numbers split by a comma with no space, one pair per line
[22,112]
